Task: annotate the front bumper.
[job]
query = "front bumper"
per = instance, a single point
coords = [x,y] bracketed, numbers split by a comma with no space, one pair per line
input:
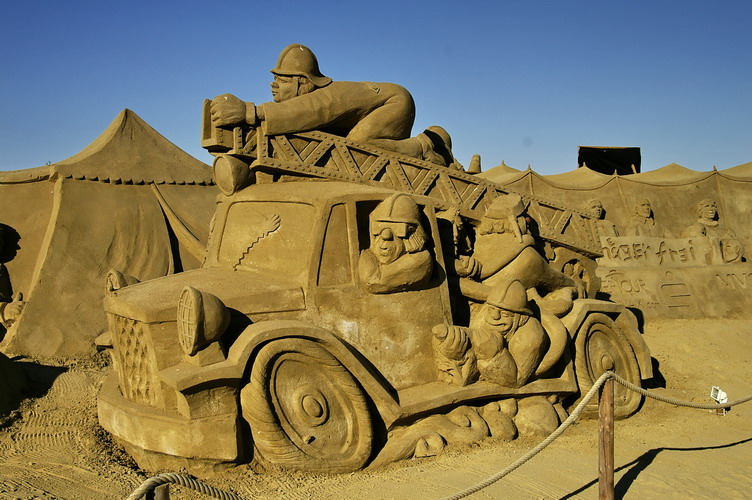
[217,438]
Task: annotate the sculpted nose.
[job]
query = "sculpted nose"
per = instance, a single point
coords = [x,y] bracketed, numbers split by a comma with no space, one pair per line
[387,234]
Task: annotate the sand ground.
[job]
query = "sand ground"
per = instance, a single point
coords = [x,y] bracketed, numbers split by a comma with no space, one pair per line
[52,447]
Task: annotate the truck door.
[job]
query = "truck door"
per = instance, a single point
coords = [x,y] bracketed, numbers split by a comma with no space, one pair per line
[392,330]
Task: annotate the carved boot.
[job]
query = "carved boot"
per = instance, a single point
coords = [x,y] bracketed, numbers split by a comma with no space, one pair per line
[437,146]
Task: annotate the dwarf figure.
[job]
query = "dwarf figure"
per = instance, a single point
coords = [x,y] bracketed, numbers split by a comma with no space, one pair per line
[643,223]
[10,309]
[504,249]
[509,341]
[604,226]
[708,225]
[504,344]
[397,258]
[380,114]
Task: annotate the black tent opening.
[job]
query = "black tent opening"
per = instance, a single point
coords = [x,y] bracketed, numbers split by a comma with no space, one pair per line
[609,160]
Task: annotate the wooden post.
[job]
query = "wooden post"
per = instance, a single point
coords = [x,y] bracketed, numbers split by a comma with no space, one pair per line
[606,441]
[161,492]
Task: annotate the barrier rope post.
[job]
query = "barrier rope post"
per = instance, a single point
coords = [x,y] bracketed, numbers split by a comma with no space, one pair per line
[606,440]
[161,492]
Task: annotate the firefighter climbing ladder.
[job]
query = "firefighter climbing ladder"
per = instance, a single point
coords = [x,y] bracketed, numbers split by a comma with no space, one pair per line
[324,156]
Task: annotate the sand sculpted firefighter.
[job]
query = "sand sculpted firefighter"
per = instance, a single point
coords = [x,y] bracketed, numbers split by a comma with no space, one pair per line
[505,343]
[381,114]
[397,258]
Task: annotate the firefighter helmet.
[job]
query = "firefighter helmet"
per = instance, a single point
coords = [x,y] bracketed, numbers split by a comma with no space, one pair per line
[511,296]
[299,60]
[399,207]
[400,212]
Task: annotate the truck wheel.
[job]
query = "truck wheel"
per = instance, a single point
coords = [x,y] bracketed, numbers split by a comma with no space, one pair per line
[600,346]
[305,409]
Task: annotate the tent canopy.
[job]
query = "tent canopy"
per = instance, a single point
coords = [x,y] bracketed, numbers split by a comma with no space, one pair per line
[130,201]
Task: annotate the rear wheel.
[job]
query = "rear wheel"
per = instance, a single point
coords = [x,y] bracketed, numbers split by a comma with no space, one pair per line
[306,410]
[600,346]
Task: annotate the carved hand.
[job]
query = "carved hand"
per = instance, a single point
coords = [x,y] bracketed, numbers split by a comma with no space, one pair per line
[453,340]
[487,344]
[227,109]
[14,309]
[467,267]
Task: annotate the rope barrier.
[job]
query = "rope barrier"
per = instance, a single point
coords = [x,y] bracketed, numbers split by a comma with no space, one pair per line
[541,446]
[194,484]
[576,413]
[182,480]
[678,402]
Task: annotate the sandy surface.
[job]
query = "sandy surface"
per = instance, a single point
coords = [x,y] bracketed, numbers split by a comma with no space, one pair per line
[53,448]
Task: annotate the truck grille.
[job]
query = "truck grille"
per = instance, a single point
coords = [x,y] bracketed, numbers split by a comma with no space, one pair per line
[134,360]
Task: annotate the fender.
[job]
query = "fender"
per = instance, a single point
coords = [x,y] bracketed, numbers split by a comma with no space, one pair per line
[622,317]
[189,378]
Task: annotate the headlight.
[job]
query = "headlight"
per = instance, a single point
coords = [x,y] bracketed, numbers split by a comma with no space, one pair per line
[231,174]
[116,280]
[202,319]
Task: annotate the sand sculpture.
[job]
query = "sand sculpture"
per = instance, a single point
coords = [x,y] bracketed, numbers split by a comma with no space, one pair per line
[605,227]
[10,307]
[721,239]
[131,200]
[643,222]
[10,310]
[380,114]
[362,299]
[682,258]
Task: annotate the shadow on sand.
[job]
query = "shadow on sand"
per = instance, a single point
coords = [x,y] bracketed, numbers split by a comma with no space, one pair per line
[636,466]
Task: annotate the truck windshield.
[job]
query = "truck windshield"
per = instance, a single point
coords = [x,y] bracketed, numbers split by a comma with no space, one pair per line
[268,236]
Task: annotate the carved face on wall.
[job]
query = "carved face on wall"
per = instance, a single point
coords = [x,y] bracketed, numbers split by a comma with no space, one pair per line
[596,207]
[731,250]
[284,88]
[643,209]
[707,209]
[386,245]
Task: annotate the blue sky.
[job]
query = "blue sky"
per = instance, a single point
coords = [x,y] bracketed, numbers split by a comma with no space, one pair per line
[526,82]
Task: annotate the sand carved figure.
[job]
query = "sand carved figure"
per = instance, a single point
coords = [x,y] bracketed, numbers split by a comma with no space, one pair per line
[259,340]
[397,258]
[391,307]
[605,227]
[505,249]
[10,307]
[504,344]
[708,226]
[380,114]
[643,222]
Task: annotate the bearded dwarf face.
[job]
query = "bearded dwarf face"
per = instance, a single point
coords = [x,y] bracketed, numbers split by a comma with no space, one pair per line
[505,310]
[500,320]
